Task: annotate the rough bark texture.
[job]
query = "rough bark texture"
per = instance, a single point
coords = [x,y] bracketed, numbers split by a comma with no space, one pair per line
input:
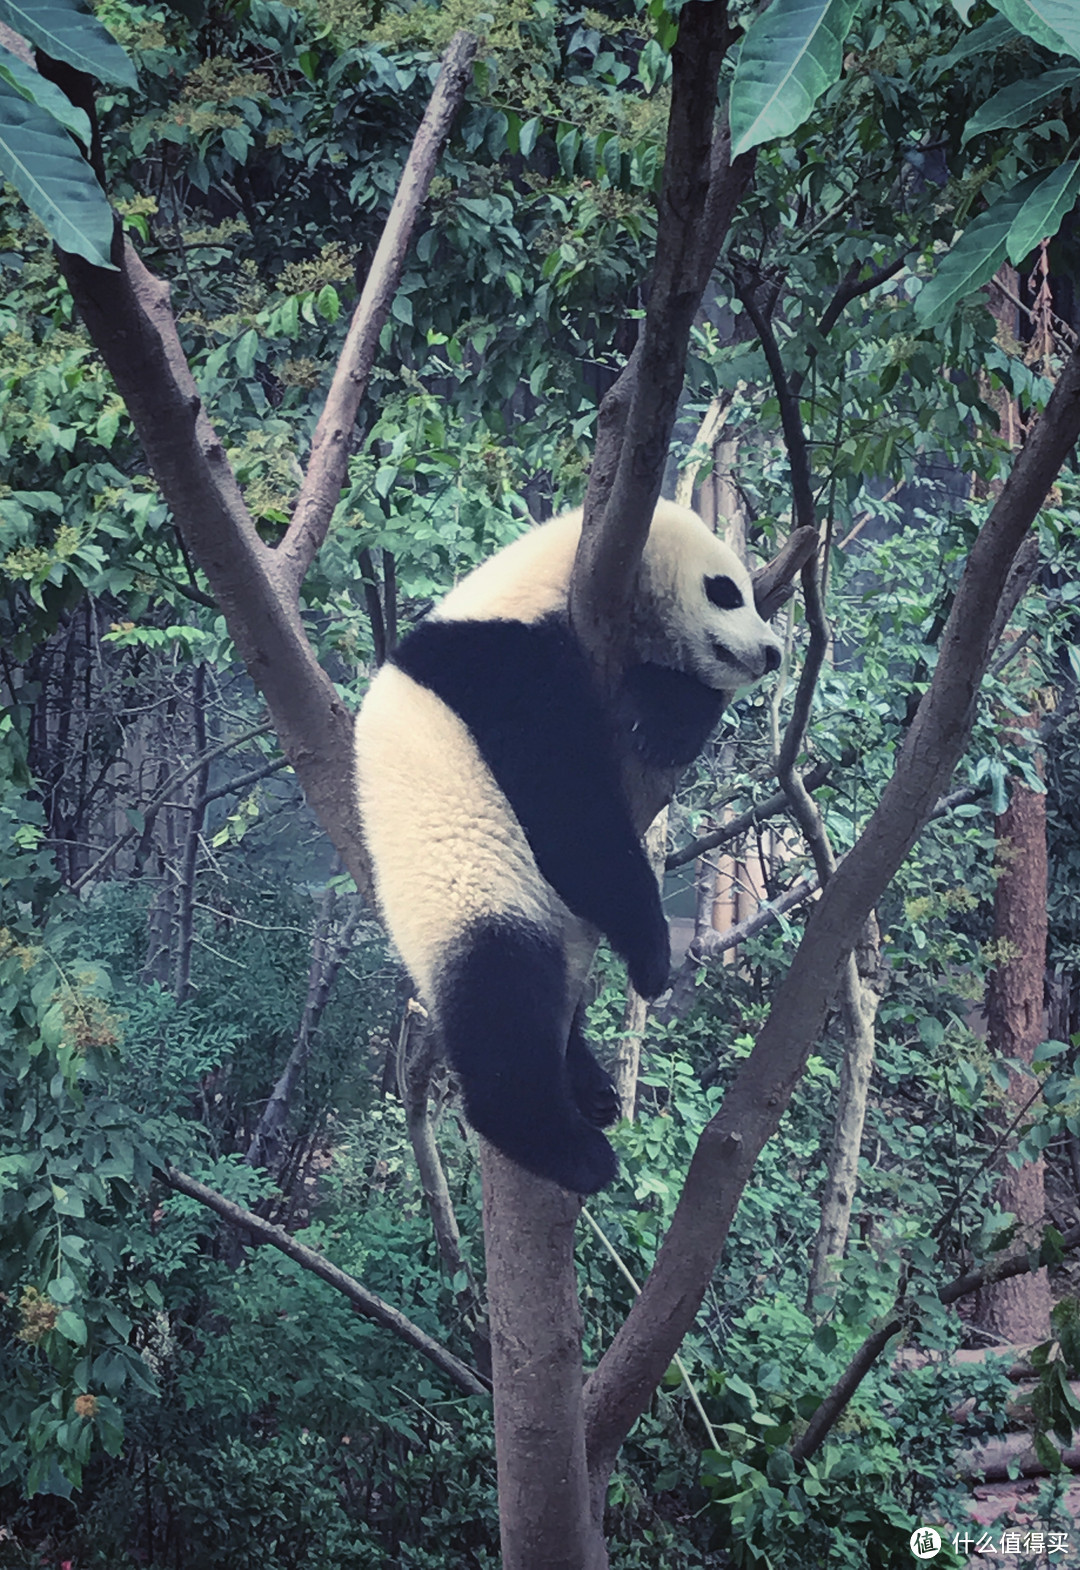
[1018,1308]
[536,1327]
[859,998]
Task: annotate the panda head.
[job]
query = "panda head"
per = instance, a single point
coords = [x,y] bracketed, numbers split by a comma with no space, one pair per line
[694,607]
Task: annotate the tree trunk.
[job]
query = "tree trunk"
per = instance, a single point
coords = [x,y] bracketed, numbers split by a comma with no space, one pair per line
[536,1367]
[859,1000]
[1018,1310]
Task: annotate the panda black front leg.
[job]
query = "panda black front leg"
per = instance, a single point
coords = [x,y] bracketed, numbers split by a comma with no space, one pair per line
[634,922]
[501,1008]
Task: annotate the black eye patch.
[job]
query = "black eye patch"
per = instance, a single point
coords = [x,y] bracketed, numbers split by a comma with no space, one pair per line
[724,593]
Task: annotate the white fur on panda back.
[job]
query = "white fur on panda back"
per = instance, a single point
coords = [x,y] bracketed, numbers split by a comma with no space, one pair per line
[524,581]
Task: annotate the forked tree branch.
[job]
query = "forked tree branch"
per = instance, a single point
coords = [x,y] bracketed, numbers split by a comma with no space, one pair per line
[851,288]
[700,190]
[621,1386]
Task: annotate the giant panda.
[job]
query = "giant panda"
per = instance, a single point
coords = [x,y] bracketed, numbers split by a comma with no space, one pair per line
[502,844]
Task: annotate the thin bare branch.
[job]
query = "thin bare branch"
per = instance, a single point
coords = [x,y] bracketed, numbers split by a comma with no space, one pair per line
[365,1302]
[851,288]
[161,797]
[802,805]
[802,494]
[769,808]
[332,443]
[328,951]
[710,944]
[374,605]
[241,782]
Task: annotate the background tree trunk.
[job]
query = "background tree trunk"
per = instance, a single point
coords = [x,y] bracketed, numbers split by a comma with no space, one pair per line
[1018,1309]
[859,998]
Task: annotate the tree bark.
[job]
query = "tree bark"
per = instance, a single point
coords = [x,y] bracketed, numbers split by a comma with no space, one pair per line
[1017,1309]
[859,997]
[544,1514]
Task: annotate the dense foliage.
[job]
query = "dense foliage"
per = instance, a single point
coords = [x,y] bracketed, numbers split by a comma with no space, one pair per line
[175,931]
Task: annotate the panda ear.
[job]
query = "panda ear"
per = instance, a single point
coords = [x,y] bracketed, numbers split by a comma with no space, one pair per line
[724,593]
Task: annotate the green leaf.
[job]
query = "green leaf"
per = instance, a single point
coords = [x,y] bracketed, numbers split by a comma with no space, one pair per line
[987,38]
[246,349]
[529,132]
[567,142]
[32,85]
[53,178]
[64,30]
[1044,211]
[72,1326]
[1020,102]
[973,260]
[328,303]
[791,54]
[1053,23]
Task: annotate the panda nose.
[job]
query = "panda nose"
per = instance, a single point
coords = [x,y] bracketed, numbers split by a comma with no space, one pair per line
[772,657]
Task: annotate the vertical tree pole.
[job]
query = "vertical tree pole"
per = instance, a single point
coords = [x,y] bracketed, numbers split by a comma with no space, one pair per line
[1018,1309]
[536,1325]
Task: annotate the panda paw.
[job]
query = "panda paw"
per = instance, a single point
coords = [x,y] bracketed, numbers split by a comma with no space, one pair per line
[584,1166]
[593,1089]
[650,962]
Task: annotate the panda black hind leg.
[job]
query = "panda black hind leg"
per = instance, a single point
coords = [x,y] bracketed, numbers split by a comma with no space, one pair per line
[501,1006]
[591,1086]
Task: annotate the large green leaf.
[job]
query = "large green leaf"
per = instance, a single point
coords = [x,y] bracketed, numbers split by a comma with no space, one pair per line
[974,259]
[1053,23]
[32,85]
[791,53]
[1020,102]
[1042,214]
[64,30]
[53,178]
[987,38]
